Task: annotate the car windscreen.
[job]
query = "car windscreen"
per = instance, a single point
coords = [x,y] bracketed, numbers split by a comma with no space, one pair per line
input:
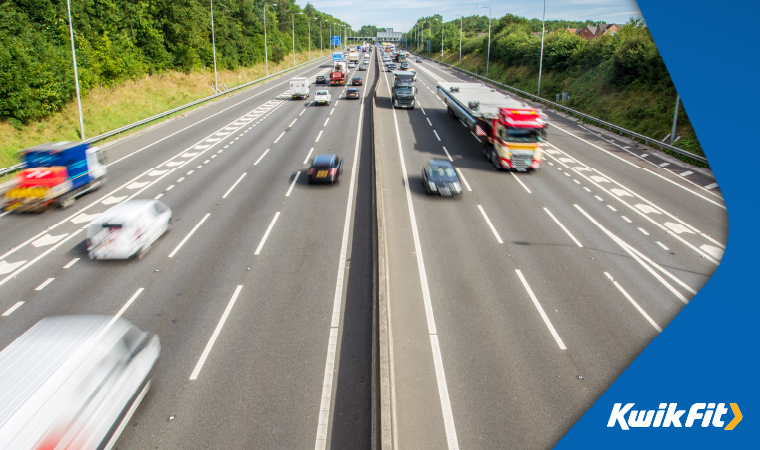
[321,92]
[404,89]
[510,134]
[445,174]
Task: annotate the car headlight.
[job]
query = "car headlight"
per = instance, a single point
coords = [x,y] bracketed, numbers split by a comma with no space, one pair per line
[432,186]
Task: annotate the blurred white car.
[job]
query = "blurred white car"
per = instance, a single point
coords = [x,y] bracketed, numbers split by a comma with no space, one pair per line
[127,229]
[322,97]
[73,382]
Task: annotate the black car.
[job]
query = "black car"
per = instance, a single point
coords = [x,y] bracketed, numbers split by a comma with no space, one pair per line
[439,177]
[325,169]
[356,81]
[321,80]
[352,93]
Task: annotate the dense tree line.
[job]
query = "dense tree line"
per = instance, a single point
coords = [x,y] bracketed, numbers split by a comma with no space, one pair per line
[125,39]
[627,58]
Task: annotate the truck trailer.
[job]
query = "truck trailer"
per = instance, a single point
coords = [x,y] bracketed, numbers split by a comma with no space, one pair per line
[512,133]
[55,174]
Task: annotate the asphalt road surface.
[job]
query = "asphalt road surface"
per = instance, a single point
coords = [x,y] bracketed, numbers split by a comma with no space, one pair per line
[261,293]
[513,307]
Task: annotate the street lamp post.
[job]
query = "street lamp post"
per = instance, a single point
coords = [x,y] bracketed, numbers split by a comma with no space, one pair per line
[76,75]
[213,46]
[293,21]
[266,57]
[310,19]
[461,24]
[541,61]
[488,58]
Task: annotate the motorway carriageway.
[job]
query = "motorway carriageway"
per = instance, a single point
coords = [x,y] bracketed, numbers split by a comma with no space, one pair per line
[514,307]
[261,290]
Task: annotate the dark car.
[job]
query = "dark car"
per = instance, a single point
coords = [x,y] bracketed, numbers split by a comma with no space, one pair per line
[356,81]
[439,177]
[352,93]
[404,65]
[325,169]
[321,80]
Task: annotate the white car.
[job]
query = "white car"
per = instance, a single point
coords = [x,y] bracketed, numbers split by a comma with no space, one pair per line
[322,97]
[351,65]
[127,229]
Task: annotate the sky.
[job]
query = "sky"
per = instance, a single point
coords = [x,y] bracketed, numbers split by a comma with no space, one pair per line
[402,14]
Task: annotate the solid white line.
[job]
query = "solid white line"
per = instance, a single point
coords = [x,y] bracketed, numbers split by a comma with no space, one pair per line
[328,119]
[639,257]
[563,227]
[662,245]
[291,123]
[520,181]
[47,252]
[188,235]
[261,157]
[447,154]
[264,239]
[71,263]
[498,238]
[217,330]
[307,156]
[686,189]
[121,311]
[464,180]
[44,283]
[293,183]
[278,137]
[436,135]
[235,184]
[451,435]
[327,383]
[541,311]
[12,308]
[319,136]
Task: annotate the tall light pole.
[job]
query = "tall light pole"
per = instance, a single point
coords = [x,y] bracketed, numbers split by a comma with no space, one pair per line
[293,21]
[310,19]
[76,75]
[429,44]
[213,46]
[266,57]
[442,30]
[461,24]
[541,61]
[488,59]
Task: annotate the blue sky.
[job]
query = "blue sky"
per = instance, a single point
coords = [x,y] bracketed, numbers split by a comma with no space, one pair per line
[401,14]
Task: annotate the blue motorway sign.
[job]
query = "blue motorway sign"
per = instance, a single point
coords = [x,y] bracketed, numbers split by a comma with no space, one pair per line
[335,40]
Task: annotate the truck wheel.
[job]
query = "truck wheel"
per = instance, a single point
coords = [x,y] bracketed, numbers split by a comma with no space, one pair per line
[486,152]
[495,160]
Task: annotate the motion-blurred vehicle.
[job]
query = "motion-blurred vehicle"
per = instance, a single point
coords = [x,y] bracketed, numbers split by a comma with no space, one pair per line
[73,382]
[299,88]
[55,173]
[320,80]
[325,169]
[356,81]
[352,93]
[439,177]
[419,59]
[512,133]
[127,229]
[322,97]
[362,67]
[351,65]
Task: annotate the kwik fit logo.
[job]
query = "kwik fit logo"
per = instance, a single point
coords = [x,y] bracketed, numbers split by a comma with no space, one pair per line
[668,415]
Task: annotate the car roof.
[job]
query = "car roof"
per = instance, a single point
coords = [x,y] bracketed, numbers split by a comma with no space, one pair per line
[439,163]
[324,159]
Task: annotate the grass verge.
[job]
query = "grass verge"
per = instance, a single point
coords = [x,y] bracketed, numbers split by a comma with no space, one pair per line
[108,108]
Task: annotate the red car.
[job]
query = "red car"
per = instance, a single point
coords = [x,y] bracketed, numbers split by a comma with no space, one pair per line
[325,169]
[356,81]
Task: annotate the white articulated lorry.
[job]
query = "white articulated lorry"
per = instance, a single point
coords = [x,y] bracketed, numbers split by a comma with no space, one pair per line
[512,133]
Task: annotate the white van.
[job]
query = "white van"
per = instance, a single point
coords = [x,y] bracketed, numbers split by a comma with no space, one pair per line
[73,382]
[127,229]
[299,87]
